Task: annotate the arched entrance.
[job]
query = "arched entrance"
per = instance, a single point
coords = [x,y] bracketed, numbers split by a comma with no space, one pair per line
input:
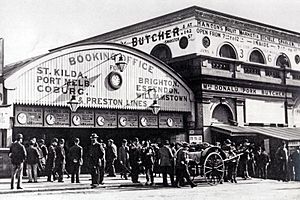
[222,114]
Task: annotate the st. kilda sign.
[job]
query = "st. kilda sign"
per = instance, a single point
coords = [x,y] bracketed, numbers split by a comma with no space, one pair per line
[91,73]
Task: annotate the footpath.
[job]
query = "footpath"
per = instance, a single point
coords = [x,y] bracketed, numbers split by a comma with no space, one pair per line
[85,180]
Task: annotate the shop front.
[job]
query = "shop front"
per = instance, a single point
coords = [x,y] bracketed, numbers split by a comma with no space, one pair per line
[118,92]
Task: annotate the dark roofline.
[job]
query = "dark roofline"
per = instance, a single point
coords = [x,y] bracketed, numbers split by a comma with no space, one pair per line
[13,67]
[168,18]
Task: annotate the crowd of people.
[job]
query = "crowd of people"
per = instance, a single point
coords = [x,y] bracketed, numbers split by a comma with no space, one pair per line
[246,158]
[134,157]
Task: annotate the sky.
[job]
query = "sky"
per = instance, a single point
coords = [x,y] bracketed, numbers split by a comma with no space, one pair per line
[32,27]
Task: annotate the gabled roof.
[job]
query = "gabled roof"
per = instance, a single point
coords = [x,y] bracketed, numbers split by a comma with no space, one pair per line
[176,16]
[13,67]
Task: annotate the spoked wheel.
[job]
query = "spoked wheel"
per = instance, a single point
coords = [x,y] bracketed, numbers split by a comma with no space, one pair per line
[213,168]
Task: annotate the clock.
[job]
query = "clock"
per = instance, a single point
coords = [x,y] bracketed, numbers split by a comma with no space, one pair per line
[143,121]
[170,122]
[50,119]
[100,120]
[22,118]
[115,80]
[206,42]
[123,121]
[76,119]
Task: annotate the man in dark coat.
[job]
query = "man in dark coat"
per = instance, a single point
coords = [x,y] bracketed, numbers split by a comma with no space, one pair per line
[97,161]
[245,157]
[17,154]
[50,162]
[296,163]
[148,155]
[182,166]
[262,161]
[166,161]
[123,157]
[43,156]
[75,159]
[281,156]
[135,159]
[111,156]
[32,162]
[60,161]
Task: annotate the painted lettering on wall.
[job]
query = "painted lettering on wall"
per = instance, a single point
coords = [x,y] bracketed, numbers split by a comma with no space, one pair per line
[239,35]
[243,90]
[61,81]
[169,35]
[153,88]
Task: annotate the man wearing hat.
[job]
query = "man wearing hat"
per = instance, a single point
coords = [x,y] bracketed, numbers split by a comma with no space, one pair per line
[97,161]
[75,159]
[123,157]
[32,161]
[60,161]
[165,160]
[135,159]
[111,156]
[43,156]
[182,166]
[17,154]
[50,162]
[245,157]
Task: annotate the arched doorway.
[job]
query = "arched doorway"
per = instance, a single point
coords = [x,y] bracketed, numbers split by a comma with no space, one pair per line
[222,114]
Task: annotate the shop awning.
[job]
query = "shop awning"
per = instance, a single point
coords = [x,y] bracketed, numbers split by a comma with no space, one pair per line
[284,133]
[233,130]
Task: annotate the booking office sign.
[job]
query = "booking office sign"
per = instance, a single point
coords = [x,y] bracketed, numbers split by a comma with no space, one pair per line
[91,74]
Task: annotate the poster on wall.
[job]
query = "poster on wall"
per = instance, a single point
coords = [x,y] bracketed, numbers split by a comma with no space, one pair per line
[28,116]
[82,118]
[170,120]
[148,120]
[59,117]
[106,119]
[128,120]
[195,139]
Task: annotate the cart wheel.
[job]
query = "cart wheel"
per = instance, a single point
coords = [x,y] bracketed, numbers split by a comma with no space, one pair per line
[213,168]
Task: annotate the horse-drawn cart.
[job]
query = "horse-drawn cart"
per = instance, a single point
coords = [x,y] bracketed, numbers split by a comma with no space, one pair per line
[209,162]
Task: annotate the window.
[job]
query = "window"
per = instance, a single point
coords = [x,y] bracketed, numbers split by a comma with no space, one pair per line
[257,57]
[162,52]
[227,51]
[283,61]
[222,114]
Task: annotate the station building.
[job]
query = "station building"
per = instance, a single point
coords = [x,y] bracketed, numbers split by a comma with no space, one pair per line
[212,75]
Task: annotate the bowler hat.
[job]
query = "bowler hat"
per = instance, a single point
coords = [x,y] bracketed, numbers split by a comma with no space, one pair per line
[185,144]
[94,135]
[54,140]
[111,140]
[19,136]
[227,141]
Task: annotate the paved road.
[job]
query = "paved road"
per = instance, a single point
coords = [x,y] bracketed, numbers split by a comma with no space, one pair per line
[255,189]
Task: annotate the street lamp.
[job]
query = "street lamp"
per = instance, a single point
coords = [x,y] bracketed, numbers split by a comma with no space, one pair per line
[155,107]
[120,63]
[73,104]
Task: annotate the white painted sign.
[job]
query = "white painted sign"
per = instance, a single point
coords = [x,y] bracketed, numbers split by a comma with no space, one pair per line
[90,73]
[244,90]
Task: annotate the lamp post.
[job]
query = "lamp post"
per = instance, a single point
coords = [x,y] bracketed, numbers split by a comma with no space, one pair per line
[120,63]
[155,107]
[73,104]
